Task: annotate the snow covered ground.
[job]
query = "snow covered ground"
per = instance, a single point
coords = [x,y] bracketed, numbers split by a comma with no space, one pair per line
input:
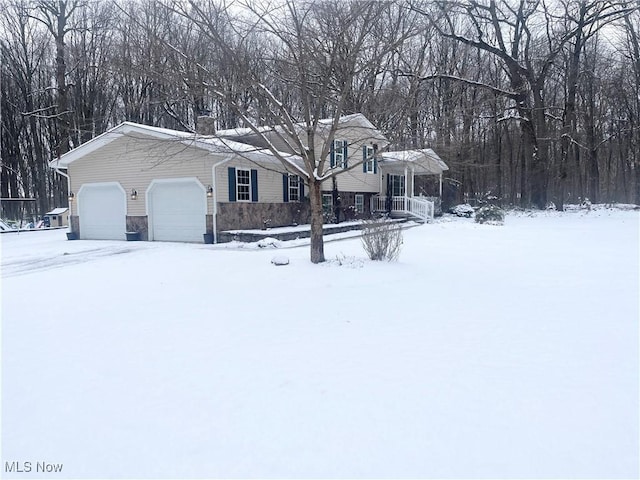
[485,352]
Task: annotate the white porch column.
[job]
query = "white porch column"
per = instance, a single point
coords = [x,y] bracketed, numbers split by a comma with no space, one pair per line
[413,182]
[406,189]
[441,185]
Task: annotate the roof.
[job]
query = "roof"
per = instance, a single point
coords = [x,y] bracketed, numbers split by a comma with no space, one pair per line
[355,120]
[424,161]
[212,143]
[57,211]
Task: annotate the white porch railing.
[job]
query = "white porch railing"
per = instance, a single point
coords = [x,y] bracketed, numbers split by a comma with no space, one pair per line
[415,206]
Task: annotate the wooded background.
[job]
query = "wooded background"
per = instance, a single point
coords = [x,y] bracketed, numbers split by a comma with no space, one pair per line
[527,101]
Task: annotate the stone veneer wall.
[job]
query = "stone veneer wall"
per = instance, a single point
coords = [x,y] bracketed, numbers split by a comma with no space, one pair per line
[245,215]
[138,224]
[348,206]
[74,223]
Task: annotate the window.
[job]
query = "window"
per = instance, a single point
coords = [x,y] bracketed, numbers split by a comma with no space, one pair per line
[327,203]
[339,152]
[359,203]
[294,188]
[368,160]
[243,185]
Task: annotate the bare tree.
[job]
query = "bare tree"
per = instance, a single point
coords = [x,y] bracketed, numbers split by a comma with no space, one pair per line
[527,38]
[316,52]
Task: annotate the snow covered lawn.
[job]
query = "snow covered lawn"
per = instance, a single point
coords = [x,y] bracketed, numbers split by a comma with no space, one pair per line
[485,352]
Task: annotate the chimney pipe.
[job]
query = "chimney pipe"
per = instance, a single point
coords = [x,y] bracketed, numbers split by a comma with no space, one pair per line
[206,125]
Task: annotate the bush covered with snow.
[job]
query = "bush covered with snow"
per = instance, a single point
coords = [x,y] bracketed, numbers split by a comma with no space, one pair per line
[269,242]
[464,210]
[382,240]
[491,214]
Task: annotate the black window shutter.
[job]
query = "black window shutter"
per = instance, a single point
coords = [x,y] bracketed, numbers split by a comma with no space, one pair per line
[332,155]
[364,159]
[285,188]
[232,184]
[254,185]
[345,153]
[301,188]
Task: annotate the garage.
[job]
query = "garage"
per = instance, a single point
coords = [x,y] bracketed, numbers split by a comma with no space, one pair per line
[177,210]
[102,211]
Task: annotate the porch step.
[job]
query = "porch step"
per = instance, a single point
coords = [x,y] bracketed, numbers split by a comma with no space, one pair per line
[405,217]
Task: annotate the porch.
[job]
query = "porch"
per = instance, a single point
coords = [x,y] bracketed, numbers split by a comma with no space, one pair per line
[402,192]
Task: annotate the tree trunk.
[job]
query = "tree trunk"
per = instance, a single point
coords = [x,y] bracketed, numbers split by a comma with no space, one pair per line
[594,176]
[317,241]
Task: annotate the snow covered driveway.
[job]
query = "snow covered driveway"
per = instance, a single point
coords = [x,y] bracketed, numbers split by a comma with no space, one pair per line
[485,352]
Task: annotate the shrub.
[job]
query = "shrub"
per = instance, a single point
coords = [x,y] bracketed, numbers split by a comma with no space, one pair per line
[463,210]
[382,240]
[490,214]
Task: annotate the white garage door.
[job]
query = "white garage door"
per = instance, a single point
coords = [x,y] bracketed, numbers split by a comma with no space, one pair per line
[102,212]
[177,211]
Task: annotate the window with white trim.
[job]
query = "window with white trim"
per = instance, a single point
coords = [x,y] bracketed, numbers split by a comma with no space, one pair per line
[369,159]
[243,185]
[327,203]
[339,154]
[359,203]
[294,188]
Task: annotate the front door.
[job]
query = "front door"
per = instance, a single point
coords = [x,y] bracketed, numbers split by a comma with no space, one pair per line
[397,185]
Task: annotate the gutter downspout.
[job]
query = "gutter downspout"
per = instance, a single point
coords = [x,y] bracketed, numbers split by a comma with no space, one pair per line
[215,198]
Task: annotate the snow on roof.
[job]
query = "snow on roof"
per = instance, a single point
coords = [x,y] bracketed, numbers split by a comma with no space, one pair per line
[57,211]
[426,158]
[357,120]
[213,143]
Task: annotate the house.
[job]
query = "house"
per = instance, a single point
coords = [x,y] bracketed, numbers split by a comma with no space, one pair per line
[58,217]
[169,185]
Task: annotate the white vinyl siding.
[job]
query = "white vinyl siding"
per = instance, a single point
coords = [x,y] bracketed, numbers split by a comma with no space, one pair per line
[135,161]
[269,180]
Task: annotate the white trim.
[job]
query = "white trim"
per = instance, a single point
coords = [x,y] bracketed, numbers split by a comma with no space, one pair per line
[413,181]
[343,144]
[361,195]
[402,184]
[243,169]
[166,181]
[294,189]
[406,193]
[370,161]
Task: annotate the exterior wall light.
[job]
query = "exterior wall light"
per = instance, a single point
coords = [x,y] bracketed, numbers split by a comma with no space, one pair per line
[71,196]
[209,191]
[134,194]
